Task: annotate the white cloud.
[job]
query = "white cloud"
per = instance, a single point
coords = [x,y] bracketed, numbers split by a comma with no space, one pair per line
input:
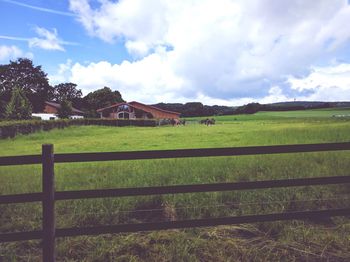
[48,40]
[62,75]
[9,52]
[325,83]
[12,52]
[217,50]
[135,20]
[137,49]
[148,80]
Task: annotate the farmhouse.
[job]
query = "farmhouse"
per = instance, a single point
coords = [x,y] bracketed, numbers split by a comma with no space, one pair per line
[134,110]
[51,109]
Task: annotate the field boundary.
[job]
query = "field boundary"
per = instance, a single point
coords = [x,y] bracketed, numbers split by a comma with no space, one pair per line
[10,129]
[48,196]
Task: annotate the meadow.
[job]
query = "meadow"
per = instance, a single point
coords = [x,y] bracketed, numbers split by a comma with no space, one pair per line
[293,240]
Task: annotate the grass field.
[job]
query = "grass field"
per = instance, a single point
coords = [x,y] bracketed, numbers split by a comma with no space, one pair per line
[288,241]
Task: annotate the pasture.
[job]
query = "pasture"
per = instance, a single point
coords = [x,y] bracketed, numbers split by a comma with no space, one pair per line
[294,240]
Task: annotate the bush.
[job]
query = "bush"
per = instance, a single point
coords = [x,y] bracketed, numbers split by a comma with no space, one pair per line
[9,129]
[65,110]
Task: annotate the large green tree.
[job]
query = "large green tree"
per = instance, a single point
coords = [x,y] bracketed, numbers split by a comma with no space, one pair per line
[29,78]
[19,106]
[67,91]
[101,98]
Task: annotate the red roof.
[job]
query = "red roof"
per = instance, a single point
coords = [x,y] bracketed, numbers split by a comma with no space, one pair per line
[138,105]
[58,106]
[134,103]
[111,106]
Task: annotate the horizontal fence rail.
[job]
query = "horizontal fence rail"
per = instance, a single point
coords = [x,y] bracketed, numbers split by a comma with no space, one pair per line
[49,195]
[21,236]
[220,221]
[176,153]
[21,198]
[20,160]
[176,189]
[128,228]
[197,188]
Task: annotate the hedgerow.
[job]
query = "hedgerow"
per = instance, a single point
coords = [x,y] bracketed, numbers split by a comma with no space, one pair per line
[9,129]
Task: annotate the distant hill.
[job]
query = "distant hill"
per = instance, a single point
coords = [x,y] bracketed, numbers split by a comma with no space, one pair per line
[309,104]
[192,109]
[288,106]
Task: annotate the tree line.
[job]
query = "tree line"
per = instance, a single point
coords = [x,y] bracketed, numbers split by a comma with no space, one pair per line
[24,88]
[253,108]
[193,109]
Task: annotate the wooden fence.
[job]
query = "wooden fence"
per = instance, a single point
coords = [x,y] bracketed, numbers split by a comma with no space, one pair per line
[48,196]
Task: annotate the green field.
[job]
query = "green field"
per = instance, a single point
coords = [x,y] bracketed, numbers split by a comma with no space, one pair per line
[287,241]
[298,114]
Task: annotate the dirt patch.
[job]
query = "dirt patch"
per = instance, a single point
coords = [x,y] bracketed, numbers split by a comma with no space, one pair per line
[154,211]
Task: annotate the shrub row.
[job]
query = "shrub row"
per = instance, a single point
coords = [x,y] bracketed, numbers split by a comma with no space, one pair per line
[9,129]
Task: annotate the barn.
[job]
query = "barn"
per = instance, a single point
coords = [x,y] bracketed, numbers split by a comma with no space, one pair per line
[51,109]
[136,110]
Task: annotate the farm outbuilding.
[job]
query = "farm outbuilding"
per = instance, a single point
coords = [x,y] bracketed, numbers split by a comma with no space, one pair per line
[136,110]
[51,109]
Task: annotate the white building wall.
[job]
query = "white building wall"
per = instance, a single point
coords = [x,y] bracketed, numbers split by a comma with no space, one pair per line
[45,116]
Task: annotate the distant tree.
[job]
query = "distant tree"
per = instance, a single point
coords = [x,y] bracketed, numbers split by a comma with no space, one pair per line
[66,110]
[31,79]
[194,109]
[250,108]
[101,98]
[19,106]
[176,107]
[68,91]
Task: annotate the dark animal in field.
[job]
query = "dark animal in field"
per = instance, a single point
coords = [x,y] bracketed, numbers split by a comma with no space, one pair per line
[164,122]
[208,121]
[203,121]
[177,122]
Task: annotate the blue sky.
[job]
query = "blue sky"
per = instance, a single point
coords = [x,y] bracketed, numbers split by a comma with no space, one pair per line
[227,52]
[21,22]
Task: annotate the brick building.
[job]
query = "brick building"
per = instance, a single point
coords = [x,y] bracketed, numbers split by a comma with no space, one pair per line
[52,108]
[136,110]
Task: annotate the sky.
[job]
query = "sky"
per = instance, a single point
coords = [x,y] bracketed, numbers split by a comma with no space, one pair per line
[224,52]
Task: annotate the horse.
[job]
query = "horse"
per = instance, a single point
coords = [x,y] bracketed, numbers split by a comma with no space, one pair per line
[208,121]
[175,121]
[203,121]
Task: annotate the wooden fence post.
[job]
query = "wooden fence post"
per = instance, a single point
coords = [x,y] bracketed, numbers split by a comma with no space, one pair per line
[48,203]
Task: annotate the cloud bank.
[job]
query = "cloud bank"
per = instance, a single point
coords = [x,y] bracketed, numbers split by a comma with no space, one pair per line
[217,51]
